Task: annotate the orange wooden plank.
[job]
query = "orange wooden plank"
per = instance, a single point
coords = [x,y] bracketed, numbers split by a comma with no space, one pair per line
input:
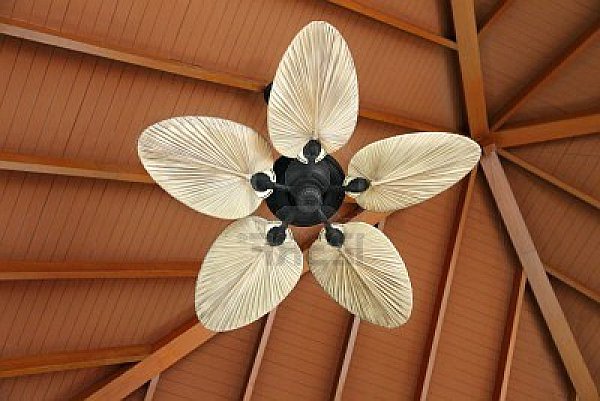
[463,13]
[26,270]
[574,284]
[548,73]
[542,131]
[550,178]
[538,279]
[395,22]
[61,361]
[510,336]
[439,311]
[499,9]
[260,352]
[343,374]
[151,390]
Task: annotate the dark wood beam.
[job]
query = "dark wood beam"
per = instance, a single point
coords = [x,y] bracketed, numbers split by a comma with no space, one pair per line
[509,340]
[463,13]
[347,358]
[35,33]
[537,277]
[151,390]
[72,168]
[499,9]
[444,286]
[260,352]
[543,131]
[548,73]
[395,22]
[590,200]
[574,284]
[25,270]
[61,361]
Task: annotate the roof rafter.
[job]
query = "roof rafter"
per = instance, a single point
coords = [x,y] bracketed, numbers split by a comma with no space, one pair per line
[441,303]
[548,73]
[550,179]
[499,9]
[177,345]
[353,326]
[547,130]
[463,13]
[151,390]
[61,361]
[537,277]
[395,22]
[55,38]
[574,284]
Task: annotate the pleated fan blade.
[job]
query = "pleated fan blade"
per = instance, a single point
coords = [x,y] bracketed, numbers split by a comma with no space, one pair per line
[366,275]
[314,93]
[408,169]
[204,161]
[243,277]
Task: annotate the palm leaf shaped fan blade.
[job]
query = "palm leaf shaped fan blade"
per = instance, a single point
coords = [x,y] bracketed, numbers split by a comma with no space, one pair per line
[202,161]
[404,170]
[243,277]
[314,93]
[365,274]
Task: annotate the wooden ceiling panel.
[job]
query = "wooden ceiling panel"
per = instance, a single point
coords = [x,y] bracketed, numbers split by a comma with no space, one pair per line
[520,43]
[58,386]
[547,211]
[41,317]
[576,88]
[537,371]
[422,234]
[305,347]
[477,308]
[249,39]
[216,371]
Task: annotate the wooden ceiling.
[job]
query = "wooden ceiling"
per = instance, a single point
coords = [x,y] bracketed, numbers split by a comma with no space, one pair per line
[98,265]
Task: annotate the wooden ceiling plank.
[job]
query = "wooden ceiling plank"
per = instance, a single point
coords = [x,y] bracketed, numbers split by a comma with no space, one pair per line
[574,284]
[445,284]
[590,200]
[463,13]
[29,270]
[260,352]
[61,361]
[543,131]
[34,33]
[151,390]
[395,22]
[537,277]
[499,8]
[72,168]
[509,341]
[347,358]
[581,43]
[178,344]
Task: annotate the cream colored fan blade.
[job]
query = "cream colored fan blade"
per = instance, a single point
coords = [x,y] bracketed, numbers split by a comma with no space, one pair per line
[203,161]
[410,168]
[314,93]
[366,275]
[243,277]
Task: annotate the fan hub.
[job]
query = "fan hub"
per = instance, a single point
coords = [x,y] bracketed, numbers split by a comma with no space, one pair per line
[313,187]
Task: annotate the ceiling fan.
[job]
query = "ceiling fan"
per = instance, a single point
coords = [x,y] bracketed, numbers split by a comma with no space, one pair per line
[225,169]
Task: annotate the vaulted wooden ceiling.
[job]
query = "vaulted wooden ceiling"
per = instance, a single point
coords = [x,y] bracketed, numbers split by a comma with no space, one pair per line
[98,265]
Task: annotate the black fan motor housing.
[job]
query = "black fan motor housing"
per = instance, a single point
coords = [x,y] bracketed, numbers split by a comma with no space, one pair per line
[312,187]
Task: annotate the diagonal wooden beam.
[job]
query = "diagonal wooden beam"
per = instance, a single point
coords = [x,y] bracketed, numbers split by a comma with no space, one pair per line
[395,22]
[400,121]
[61,361]
[548,73]
[574,284]
[151,390]
[347,358]
[463,13]
[537,277]
[26,270]
[441,303]
[590,200]
[35,33]
[177,345]
[260,352]
[499,9]
[543,131]
[509,340]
